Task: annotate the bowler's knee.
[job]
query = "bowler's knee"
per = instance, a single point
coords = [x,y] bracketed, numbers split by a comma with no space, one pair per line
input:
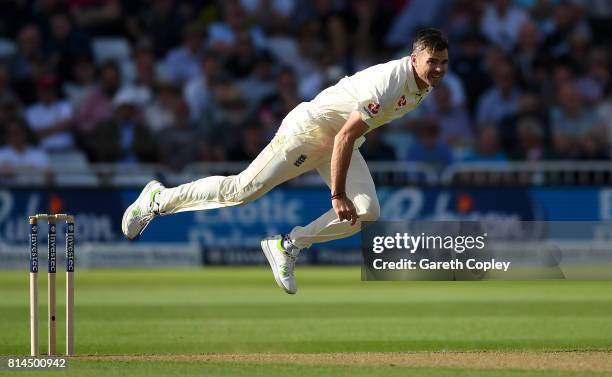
[233,190]
[369,210]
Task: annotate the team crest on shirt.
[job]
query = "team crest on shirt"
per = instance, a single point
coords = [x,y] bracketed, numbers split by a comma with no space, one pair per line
[372,109]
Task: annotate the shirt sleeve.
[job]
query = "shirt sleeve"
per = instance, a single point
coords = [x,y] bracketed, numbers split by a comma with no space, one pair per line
[374,92]
[368,109]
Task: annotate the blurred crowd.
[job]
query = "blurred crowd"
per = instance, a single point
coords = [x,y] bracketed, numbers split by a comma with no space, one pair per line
[174,82]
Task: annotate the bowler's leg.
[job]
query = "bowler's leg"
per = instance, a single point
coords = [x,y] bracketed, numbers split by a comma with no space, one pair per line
[359,188]
[273,166]
[277,163]
[282,250]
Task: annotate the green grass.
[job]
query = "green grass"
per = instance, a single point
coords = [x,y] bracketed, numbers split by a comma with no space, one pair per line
[240,310]
[97,368]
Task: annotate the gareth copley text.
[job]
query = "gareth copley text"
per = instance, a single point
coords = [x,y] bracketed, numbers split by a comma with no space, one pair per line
[411,243]
[426,264]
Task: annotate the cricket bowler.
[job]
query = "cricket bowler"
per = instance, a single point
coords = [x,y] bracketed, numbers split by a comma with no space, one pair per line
[323,134]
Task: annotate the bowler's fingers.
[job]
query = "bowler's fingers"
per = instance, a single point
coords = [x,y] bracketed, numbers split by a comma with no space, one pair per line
[348,213]
[351,214]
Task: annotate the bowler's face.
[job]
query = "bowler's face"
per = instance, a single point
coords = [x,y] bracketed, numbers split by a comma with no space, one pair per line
[430,66]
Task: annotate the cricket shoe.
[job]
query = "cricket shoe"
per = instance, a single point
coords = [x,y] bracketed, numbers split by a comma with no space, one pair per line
[137,216]
[282,262]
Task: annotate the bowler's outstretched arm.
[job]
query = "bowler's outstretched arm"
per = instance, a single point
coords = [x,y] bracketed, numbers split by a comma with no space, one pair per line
[341,158]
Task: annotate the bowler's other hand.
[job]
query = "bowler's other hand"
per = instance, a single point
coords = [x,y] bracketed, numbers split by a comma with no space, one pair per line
[345,209]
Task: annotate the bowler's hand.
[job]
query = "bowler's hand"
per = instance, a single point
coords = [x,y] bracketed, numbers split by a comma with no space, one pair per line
[345,209]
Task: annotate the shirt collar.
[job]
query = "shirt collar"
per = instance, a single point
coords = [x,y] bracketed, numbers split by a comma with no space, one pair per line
[411,81]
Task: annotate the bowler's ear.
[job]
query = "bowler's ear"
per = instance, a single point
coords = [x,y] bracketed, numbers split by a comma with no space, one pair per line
[413,59]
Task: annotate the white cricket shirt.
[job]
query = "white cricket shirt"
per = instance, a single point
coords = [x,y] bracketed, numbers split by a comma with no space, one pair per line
[380,93]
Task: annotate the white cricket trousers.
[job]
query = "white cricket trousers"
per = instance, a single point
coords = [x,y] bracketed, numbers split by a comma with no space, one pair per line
[293,151]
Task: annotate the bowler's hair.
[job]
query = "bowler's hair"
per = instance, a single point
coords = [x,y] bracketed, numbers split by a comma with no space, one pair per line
[429,39]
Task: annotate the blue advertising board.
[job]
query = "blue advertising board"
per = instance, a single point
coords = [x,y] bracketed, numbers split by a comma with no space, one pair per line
[99,212]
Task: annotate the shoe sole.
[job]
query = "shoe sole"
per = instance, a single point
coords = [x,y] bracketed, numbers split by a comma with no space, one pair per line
[268,253]
[129,210]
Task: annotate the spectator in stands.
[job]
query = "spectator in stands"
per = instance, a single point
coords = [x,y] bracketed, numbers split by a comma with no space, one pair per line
[428,148]
[530,106]
[566,21]
[41,13]
[528,52]
[82,81]
[178,143]
[531,145]
[227,117]
[457,91]
[13,15]
[29,48]
[362,57]
[372,20]
[98,106]
[487,148]
[146,68]
[501,23]
[6,92]
[415,15]
[562,73]
[275,107]
[469,65]
[98,18]
[223,35]
[575,125]
[20,155]
[454,121]
[376,149]
[161,113]
[28,64]
[9,108]
[308,68]
[65,45]
[125,138]
[10,104]
[595,144]
[260,84]
[502,99]
[580,45]
[243,56]
[27,89]
[604,112]
[160,20]
[462,17]
[51,117]
[182,63]
[330,39]
[197,91]
[252,142]
[591,85]
[600,19]
[272,15]
[332,28]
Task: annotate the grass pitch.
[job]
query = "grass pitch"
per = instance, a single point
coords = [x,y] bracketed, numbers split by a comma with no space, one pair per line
[236,322]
